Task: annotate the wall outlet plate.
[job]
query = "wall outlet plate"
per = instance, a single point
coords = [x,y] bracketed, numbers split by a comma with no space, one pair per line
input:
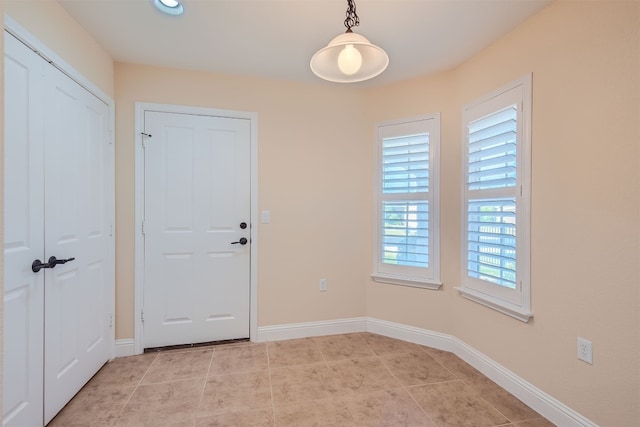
[323,285]
[585,350]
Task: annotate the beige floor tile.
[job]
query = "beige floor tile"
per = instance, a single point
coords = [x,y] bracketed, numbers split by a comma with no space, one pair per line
[453,363]
[385,345]
[362,375]
[253,418]
[169,402]
[235,392]
[387,408]
[416,368]
[122,372]
[300,383]
[156,423]
[501,399]
[347,346]
[228,360]
[538,422]
[455,404]
[293,352]
[307,382]
[319,413]
[174,366]
[93,407]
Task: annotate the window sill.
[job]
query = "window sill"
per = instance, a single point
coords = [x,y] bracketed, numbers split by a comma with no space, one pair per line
[406,281]
[496,304]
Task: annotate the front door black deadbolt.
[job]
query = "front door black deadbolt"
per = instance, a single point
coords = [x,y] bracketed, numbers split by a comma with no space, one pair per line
[243,225]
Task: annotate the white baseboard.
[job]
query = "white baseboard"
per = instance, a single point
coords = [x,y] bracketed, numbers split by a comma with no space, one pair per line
[549,407]
[125,347]
[311,329]
[412,334]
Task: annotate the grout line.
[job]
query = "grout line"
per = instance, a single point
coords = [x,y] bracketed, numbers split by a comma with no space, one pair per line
[204,386]
[135,388]
[479,395]
[406,389]
[273,408]
[155,359]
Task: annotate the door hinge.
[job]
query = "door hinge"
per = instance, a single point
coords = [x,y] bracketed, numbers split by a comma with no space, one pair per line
[110,230]
[142,316]
[110,320]
[110,137]
[144,138]
[142,227]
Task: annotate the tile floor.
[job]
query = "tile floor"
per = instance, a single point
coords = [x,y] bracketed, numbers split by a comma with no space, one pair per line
[358,379]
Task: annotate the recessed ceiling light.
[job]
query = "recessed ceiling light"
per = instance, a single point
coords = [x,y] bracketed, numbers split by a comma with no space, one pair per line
[171,7]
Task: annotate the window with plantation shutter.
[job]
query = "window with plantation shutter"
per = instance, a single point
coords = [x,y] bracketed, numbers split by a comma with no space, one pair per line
[496,200]
[407,249]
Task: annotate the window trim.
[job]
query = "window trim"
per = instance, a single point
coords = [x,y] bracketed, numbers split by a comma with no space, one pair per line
[433,282]
[518,303]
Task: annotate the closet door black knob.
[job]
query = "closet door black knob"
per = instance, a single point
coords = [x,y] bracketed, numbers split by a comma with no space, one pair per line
[38,265]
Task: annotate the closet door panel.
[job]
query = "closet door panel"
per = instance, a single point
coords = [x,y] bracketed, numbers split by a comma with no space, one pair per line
[76,319]
[23,236]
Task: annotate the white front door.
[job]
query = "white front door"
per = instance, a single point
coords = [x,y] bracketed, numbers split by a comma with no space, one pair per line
[57,156]
[196,228]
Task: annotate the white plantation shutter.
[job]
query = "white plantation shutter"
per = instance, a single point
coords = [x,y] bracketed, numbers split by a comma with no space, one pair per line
[491,223]
[491,241]
[492,150]
[496,200]
[405,164]
[407,221]
[405,233]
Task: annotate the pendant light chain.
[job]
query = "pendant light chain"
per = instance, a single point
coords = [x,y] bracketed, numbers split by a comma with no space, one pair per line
[352,17]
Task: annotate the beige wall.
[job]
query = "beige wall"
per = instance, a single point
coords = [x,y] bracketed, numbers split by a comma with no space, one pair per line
[585,205]
[314,177]
[52,25]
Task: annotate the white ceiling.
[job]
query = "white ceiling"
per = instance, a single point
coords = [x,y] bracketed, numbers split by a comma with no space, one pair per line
[276,38]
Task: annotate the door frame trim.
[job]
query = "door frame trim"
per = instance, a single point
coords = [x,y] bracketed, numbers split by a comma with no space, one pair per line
[140,108]
[16,30]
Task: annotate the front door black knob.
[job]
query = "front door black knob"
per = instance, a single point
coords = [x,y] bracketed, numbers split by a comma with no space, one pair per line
[242,241]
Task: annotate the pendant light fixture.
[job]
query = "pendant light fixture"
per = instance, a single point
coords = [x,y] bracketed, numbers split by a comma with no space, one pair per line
[349,57]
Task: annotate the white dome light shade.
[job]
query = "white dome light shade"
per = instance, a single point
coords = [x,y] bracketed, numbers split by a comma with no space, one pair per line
[337,62]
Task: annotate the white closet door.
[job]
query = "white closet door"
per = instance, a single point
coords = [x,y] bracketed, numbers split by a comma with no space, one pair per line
[76,226]
[23,236]
[57,201]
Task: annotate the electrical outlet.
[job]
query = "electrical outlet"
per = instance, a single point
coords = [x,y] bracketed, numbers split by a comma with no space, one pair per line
[323,285]
[585,350]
